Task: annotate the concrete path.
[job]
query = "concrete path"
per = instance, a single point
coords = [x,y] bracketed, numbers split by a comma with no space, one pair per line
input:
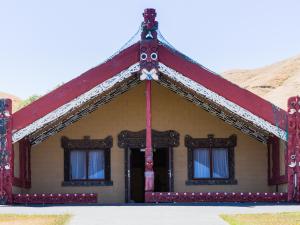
[171,214]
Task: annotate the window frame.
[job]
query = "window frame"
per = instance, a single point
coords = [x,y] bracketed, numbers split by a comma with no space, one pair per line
[210,143]
[86,144]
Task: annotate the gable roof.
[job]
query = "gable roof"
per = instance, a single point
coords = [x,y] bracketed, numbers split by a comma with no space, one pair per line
[243,98]
[60,101]
[74,88]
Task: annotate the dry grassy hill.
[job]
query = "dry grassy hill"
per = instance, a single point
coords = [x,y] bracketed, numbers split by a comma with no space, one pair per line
[15,100]
[275,83]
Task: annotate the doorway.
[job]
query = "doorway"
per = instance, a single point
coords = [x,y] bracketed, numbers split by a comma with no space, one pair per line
[137,169]
[134,144]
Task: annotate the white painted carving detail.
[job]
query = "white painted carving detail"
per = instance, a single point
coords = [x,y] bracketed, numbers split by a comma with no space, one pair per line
[214,97]
[75,103]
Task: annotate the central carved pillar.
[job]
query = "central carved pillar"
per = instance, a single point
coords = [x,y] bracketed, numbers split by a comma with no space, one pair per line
[149,173]
[148,71]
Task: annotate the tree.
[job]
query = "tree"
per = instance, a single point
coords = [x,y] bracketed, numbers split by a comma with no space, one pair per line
[27,101]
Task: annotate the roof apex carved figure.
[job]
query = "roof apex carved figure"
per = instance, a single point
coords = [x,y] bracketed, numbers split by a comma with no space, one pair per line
[149,46]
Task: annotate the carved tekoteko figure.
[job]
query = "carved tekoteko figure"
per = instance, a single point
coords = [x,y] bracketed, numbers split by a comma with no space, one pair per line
[293,156]
[149,46]
[6,160]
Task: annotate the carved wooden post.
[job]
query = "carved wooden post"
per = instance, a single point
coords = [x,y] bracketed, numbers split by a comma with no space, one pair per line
[293,155]
[148,69]
[6,154]
[149,173]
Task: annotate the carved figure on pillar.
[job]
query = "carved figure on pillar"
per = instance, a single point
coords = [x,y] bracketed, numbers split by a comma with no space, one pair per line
[149,71]
[293,155]
[6,157]
[149,46]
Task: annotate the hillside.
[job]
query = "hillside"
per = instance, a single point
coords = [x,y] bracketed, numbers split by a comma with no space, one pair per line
[275,83]
[15,100]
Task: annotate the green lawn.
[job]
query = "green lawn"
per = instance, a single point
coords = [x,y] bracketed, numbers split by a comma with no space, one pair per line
[16,219]
[286,218]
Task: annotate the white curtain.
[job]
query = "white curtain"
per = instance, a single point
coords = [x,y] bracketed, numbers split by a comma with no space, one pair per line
[220,163]
[201,163]
[78,165]
[96,164]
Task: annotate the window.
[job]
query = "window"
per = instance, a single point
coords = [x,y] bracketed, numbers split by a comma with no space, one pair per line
[210,160]
[87,165]
[86,161]
[210,163]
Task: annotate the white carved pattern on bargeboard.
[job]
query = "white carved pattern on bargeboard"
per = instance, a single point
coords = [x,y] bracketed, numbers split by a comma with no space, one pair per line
[212,96]
[75,103]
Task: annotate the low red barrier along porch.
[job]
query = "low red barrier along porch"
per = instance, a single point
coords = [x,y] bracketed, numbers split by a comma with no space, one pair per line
[164,197]
[54,198]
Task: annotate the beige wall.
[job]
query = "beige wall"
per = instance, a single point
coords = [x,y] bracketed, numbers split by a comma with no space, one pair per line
[128,112]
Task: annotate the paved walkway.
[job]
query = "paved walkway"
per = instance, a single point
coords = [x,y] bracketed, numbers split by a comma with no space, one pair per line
[172,214]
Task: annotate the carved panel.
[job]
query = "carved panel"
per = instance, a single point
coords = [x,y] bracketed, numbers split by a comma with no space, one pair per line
[86,143]
[210,142]
[164,197]
[6,152]
[293,153]
[64,198]
[160,139]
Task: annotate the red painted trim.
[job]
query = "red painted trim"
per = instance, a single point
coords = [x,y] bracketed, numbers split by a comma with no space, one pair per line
[149,173]
[279,180]
[17,182]
[54,198]
[129,56]
[22,161]
[148,116]
[223,87]
[162,197]
[293,153]
[24,179]
[75,87]
[274,177]
[6,147]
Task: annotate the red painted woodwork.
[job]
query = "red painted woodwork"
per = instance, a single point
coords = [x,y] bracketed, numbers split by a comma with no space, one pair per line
[274,177]
[293,156]
[149,42]
[223,87]
[148,69]
[54,198]
[24,179]
[163,197]
[6,153]
[129,56]
[75,87]
[149,173]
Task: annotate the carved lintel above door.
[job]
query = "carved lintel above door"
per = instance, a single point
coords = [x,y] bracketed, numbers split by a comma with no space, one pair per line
[160,139]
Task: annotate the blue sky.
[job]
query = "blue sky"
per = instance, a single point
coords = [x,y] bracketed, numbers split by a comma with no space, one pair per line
[45,43]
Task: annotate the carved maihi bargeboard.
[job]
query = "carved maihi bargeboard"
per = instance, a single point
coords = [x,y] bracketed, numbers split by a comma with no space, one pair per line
[40,136]
[215,110]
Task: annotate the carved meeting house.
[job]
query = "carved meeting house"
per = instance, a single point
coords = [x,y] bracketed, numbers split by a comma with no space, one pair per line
[149,125]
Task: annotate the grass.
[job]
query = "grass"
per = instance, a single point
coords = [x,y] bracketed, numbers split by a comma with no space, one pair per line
[17,219]
[285,218]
